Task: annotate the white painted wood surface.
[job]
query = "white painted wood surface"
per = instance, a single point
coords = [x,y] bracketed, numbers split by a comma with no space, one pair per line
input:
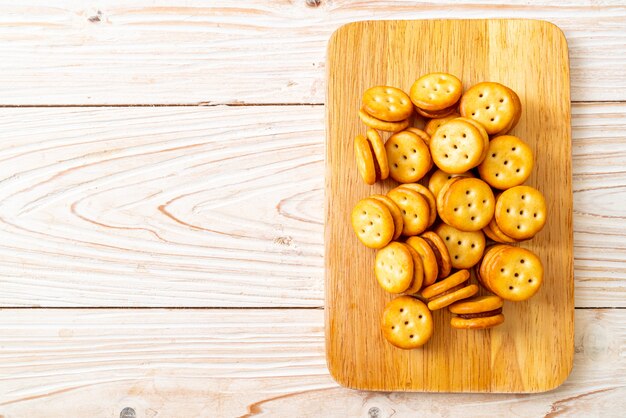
[216,363]
[133,207]
[259,51]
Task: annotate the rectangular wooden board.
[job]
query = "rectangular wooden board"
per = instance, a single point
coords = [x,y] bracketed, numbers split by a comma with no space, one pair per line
[533,350]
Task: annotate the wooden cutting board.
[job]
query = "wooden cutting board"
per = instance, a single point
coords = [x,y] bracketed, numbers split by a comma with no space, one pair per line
[533,350]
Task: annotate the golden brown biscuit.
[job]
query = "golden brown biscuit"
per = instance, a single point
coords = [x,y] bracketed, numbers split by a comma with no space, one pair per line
[394,267]
[423,135]
[492,104]
[433,124]
[436,91]
[485,264]
[465,248]
[457,146]
[490,321]
[437,113]
[380,154]
[441,252]
[409,158]
[407,323]
[382,125]
[387,103]
[372,223]
[514,273]
[396,214]
[498,234]
[418,272]
[483,133]
[509,162]
[439,178]
[521,212]
[426,194]
[364,159]
[449,290]
[466,204]
[414,208]
[429,260]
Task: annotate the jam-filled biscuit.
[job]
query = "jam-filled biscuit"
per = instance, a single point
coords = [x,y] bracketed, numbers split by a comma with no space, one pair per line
[414,208]
[514,273]
[439,178]
[465,248]
[407,323]
[498,234]
[508,163]
[479,312]
[449,290]
[418,272]
[364,159]
[372,223]
[441,252]
[378,151]
[436,91]
[394,267]
[382,125]
[494,105]
[395,212]
[457,146]
[466,204]
[521,212]
[425,137]
[387,103]
[436,114]
[426,194]
[408,156]
[433,124]
[429,260]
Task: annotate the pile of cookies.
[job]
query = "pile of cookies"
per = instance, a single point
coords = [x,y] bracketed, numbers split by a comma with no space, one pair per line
[460,203]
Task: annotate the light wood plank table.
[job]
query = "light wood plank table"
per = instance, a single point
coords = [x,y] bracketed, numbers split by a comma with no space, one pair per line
[161,209]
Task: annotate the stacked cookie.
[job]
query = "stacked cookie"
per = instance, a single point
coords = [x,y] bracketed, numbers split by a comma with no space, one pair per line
[461,179]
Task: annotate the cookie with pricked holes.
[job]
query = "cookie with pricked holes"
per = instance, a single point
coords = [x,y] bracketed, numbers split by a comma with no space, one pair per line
[457,146]
[465,248]
[426,194]
[513,273]
[372,223]
[393,267]
[387,103]
[509,162]
[395,212]
[414,208]
[466,204]
[494,105]
[407,323]
[408,156]
[521,212]
[436,91]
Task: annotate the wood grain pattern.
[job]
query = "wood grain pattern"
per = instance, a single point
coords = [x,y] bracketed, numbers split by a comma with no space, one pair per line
[91,52]
[125,163]
[217,363]
[533,350]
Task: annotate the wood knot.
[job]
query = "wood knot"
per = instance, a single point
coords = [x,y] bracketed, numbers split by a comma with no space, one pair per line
[313,3]
[95,18]
[128,413]
[374,412]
